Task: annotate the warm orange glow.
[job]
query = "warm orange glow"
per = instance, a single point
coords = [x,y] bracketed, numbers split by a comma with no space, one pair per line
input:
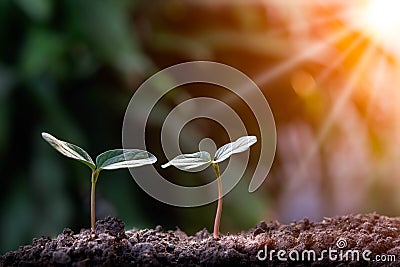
[381,20]
[303,83]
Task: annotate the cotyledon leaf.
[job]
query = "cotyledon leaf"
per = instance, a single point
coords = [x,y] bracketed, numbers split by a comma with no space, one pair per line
[240,145]
[69,150]
[124,158]
[190,161]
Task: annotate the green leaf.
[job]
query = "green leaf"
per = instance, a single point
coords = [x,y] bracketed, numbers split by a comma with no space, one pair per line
[124,158]
[240,145]
[69,150]
[190,161]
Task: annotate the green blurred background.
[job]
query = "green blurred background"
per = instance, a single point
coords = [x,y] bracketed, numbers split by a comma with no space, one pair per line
[70,67]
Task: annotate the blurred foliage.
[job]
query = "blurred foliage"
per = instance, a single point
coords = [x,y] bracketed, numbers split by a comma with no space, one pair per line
[70,67]
[66,67]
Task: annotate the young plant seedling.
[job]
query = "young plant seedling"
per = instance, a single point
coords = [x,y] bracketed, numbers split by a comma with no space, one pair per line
[109,160]
[200,159]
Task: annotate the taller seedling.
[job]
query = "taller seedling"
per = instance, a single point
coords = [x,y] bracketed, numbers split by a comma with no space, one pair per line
[191,162]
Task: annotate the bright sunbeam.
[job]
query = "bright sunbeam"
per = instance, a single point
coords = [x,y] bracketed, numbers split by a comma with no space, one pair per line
[380,20]
[337,108]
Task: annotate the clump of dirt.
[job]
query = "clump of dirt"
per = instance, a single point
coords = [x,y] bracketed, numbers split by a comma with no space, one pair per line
[334,241]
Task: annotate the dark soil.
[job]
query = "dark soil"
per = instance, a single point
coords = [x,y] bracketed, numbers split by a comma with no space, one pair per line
[111,245]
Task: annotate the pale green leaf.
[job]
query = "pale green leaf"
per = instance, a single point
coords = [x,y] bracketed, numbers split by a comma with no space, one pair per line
[69,150]
[124,158]
[190,161]
[240,145]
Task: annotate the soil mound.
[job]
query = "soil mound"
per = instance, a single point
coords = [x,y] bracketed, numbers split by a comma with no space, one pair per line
[352,240]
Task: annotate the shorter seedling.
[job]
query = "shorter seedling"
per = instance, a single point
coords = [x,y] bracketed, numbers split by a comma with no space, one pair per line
[200,159]
[109,160]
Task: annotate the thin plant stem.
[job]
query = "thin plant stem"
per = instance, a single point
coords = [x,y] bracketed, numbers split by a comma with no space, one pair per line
[95,175]
[219,208]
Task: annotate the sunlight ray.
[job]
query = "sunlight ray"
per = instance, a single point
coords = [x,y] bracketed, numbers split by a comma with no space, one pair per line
[382,103]
[299,25]
[328,70]
[348,89]
[340,103]
[378,79]
[282,68]
[312,51]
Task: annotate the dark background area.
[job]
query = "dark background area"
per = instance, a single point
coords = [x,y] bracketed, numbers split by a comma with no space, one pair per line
[70,68]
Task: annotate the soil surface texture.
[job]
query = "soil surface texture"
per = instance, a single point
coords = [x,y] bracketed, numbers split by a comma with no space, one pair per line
[352,240]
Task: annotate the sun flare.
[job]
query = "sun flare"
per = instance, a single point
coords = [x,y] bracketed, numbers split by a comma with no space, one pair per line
[380,20]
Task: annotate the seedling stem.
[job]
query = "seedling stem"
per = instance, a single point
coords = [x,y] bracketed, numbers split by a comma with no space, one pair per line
[95,175]
[220,199]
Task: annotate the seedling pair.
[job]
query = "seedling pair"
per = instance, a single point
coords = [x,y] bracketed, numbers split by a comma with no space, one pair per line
[129,158]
